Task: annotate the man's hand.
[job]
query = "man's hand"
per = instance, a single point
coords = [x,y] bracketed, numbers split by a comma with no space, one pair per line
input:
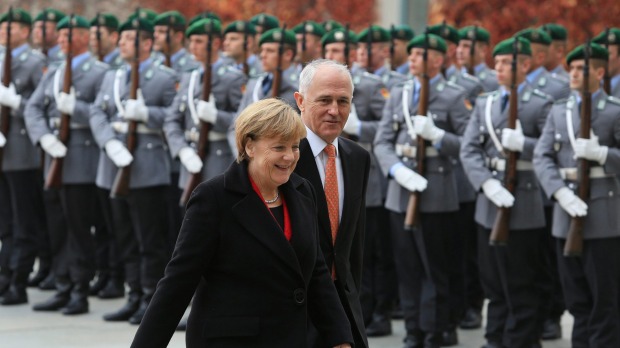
[591,150]
[572,204]
[425,127]
[497,194]
[136,110]
[190,160]
[206,110]
[9,97]
[513,139]
[118,153]
[410,180]
[66,102]
[53,146]
[352,126]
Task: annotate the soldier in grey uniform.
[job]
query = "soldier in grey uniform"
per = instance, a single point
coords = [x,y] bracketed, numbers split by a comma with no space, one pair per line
[421,256]
[510,274]
[108,31]
[451,35]
[309,48]
[612,41]
[173,23]
[378,289]
[486,75]
[78,194]
[263,22]
[234,36]
[20,162]
[590,282]
[379,38]
[401,35]
[557,49]
[50,17]
[141,231]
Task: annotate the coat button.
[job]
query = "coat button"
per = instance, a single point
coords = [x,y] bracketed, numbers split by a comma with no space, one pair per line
[611,193]
[218,152]
[22,131]
[87,143]
[149,146]
[571,186]
[300,296]
[440,169]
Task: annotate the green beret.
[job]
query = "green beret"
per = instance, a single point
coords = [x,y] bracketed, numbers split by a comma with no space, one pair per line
[275,35]
[266,21]
[402,32]
[536,36]
[330,25]
[435,42]
[76,22]
[107,20]
[50,15]
[505,47]
[145,13]
[379,34]
[136,23]
[596,52]
[203,15]
[204,27]
[172,19]
[240,27]
[18,15]
[613,37]
[556,31]
[474,31]
[445,31]
[338,35]
[311,27]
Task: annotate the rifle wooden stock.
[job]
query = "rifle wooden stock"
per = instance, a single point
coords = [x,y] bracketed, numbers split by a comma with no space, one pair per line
[607,76]
[246,66]
[277,77]
[100,54]
[472,53]
[5,111]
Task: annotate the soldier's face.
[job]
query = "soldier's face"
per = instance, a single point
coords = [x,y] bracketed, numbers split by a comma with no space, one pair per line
[51,36]
[463,53]
[378,51]
[233,45]
[335,51]
[269,56]
[108,40]
[326,104]
[19,34]
[576,74]
[614,60]
[313,47]
[160,38]
[503,67]
[400,51]
[596,73]
[198,46]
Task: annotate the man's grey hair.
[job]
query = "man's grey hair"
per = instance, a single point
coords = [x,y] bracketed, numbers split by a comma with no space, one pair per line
[307,74]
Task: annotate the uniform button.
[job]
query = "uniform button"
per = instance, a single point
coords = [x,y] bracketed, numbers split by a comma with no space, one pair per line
[571,186]
[440,169]
[299,295]
[22,131]
[611,193]
[529,185]
[494,173]
[218,152]
[87,143]
[149,146]
[498,131]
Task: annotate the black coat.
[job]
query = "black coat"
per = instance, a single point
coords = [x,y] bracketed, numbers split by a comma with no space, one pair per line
[254,288]
[347,253]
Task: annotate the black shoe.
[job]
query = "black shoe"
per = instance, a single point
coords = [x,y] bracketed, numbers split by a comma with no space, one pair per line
[182,326]
[14,296]
[449,338]
[397,312]
[54,303]
[5,282]
[414,341]
[551,330]
[471,320]
[49,283]
[38,277]
[99,284]
[433,340]
[379,326]
[136,318]
[76,306]
[125,312]
[114,288]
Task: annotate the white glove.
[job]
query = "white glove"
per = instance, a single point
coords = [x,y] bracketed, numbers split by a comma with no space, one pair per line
[118,153]
[353,123]
[9,97]
[190,160]
[53,146]
[572,204]
[591,150]
[66,102]
[495,192]
[513,139]
[136,110]
[2,140]
[425,127]
[409,179]
[207,110]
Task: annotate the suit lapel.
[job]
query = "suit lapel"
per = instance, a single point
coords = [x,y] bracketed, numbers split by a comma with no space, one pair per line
[347,172]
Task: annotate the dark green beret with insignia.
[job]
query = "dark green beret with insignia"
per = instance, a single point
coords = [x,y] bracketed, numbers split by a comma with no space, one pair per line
[107,20]
[204,27]
[240,27]
[445,31]
[266,21]
[433,42]
[136,23]
[474,31]
[73,21]
[596,52]
[379,34]
[50,15]
[536,36]
[338,35]
[275,35]
[331,24]
[402,32]
[505,47]
[173,19]
[203,15]
[311,27]
[18,15]
[611,38]
[555,31]
[145,13]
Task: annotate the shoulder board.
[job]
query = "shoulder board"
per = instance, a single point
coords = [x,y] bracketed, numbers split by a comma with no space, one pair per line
[470,77]
[561,78]
[454,85]
[560,101]
[99,64]
[232,70]
[541,94]
[371,76]
[166,69]
[613,100]
[485,95]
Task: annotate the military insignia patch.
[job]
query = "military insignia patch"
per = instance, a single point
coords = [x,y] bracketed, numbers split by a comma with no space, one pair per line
[277,35]
[535,35]
[432,42]
[339,36]
[471,34]
[149,74]
[385,93]
[468,105]
[376,35]
[309,28]
[101,21]
[611,37]
[243,88]
[51,16]
[240,26]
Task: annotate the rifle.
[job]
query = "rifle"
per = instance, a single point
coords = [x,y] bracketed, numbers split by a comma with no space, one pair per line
[54,174]
[412,216]
[369,49]
[346,46]
[392,48]
[120,187]
[277,78]
[168,53]
[607,78]
[100,55]
[472,52]
[443,66]
[499,233]
[246,66]
[205,127]
[5,111]
[303,44]
[574,239]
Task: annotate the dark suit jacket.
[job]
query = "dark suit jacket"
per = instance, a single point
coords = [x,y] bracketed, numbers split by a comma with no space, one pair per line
[255,289]
[347,253]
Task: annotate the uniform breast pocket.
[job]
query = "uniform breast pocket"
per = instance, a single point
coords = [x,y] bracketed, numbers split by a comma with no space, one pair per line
[440,118]
[605,199]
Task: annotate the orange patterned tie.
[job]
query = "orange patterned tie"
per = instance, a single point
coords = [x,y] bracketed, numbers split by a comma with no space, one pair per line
[331,189]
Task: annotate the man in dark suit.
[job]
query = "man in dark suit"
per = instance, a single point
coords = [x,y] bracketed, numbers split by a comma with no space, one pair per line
[324,99]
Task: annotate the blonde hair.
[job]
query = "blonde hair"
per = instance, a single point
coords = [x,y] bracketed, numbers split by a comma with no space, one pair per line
[267,118]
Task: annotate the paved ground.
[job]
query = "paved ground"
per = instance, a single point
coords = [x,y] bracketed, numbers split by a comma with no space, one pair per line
[20,327]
